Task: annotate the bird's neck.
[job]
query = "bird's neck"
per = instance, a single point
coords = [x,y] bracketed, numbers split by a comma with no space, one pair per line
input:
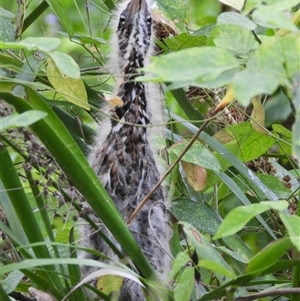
[133,96]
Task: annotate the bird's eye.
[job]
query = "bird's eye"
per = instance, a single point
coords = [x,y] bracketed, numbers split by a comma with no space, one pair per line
[148,19]
[122,19]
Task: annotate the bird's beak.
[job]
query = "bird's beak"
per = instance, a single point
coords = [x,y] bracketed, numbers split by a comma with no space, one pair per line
[135,6]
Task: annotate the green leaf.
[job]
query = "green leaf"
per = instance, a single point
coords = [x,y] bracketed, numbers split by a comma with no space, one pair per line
[7,31]
[240,216]
[197,154]
[198,214]
[24,119]
[244,142]
[234,38]
[185,285]
[192,63]
[206,250]
[269,255]
[175,10]
[6,14]
[72,89]
[180,262]
[184,41]
[66,64]
[216,268]
[292,224]
[266,16]
[61,13]
[269,58]
[290,49]
[72,161]
[33,44]
[283,4]
[237,19]
[272,182]
[249,83]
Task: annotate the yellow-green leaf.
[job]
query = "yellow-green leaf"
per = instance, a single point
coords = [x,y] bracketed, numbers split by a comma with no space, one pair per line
[71,89]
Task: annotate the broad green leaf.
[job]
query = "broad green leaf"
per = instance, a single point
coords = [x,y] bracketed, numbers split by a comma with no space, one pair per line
[243,141]
[216,268]
[269,255]
[185,285]
[240,216]
[205,30]
[176,11]
[280,129]
[206,250]
[192,63]
[290,48]
[197,154]
[7,30]
[266,16]
[209,81]
[108,284]
[180,262]
[237,19]
[282,4]
[24,119]
[72,89]
[33,44]
[249,83]
[184,41]
[267,193]
[198,214]
[66,64]
[201,216]
[272,182]
[269,58]
[237,4]
[234,38]
[292,224]
[6,14]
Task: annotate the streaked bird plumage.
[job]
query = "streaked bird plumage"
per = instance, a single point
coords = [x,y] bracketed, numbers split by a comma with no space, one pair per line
[125,157]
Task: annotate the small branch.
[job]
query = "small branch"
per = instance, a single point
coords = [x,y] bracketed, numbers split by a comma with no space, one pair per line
[147,197]
[266,293]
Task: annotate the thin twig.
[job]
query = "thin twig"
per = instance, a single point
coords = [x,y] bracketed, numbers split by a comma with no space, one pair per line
[266,293]
[146,198]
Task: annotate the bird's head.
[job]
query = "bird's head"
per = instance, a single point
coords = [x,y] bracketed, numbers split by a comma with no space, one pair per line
[134,35]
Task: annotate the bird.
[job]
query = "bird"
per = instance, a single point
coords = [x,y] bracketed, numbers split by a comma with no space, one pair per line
[124,155]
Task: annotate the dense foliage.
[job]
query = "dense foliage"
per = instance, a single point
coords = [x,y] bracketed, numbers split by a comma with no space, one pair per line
[230,74]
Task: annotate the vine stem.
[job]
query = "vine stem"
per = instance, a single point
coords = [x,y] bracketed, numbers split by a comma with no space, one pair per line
[276,292]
